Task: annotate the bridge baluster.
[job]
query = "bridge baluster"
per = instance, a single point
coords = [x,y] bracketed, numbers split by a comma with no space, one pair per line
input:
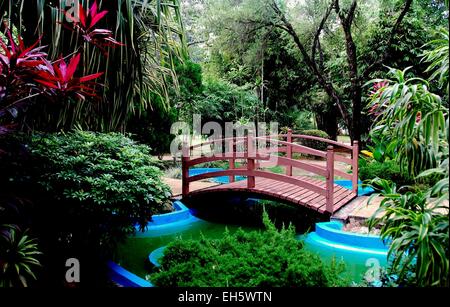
[231,162]
[250,161]
[289,152]
[330,179]
[355,155]
[185,151]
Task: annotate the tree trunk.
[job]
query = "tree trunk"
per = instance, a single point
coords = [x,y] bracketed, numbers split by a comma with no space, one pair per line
[327,121]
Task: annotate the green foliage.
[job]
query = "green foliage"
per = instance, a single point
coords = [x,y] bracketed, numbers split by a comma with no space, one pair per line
[222,102]
[107,177]
[313,143]
[419,233]
[246,259]
[388,170]
[152,126]
[438,58]
[304,121]
[18,257]
[189,80]
[416,223]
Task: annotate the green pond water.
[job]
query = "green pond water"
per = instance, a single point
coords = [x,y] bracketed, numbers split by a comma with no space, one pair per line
[133,253]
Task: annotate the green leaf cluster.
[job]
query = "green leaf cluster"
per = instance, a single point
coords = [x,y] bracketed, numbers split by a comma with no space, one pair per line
[268,258]
[104,175]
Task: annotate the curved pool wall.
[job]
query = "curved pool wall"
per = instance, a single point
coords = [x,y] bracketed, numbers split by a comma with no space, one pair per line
[167,223]
[161,224]
[125,278]
[155,255]
[329,236]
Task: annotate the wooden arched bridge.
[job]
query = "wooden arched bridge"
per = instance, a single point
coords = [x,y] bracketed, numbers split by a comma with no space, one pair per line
[319,193]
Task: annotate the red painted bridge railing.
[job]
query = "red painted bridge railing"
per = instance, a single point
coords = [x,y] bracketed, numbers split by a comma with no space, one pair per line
[257,151]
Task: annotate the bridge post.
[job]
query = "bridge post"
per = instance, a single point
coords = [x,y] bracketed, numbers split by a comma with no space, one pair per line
[330,179]
[250,162]
[231,162]
[185,169]
[289,152]
[355,156]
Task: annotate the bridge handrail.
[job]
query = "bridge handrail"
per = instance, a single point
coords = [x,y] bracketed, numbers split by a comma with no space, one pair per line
[256,173]
[315,138]
[300,148]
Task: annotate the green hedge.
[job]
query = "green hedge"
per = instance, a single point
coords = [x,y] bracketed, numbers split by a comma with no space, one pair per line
[312,143]
[246,259]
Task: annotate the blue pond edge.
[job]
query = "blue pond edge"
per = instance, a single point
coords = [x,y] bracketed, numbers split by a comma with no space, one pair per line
[155,255]
[125,278]
[160,223]
[330,235]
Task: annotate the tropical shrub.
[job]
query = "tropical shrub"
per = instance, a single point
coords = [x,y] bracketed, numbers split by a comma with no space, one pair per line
[313,143]
[416,121]
[411,120]
[107,173]
[246,259]
[418,230]
[18,257]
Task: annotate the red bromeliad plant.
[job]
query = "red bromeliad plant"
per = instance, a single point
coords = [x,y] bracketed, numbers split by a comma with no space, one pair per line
[26,72]
[85,23]
[59,79]
[18,68]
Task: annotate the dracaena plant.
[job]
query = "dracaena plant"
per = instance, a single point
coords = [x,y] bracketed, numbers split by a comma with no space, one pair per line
[59,81]
[138,75]
[27,72]
[85,26]
[18,68]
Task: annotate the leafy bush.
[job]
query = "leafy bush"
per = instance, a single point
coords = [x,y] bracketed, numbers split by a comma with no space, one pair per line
[105,178]
[388,170]
[313,143]
[246,259]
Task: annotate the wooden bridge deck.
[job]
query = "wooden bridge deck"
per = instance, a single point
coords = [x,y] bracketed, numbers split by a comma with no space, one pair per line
[285,191]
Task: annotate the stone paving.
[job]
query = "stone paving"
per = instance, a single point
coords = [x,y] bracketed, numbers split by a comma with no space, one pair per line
[175,185]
